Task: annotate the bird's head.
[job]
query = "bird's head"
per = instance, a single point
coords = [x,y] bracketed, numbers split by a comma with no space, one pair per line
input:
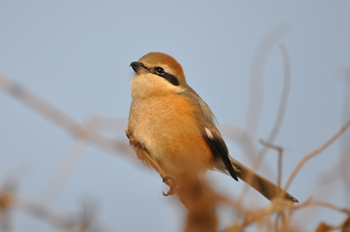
[157,73]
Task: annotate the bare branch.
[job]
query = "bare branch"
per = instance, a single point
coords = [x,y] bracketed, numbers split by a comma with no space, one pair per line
[46,215]
[63,120]
[315,152]
[63,173]
[280,115]
[280,156]
[283,102]
[321,203]
[256,74]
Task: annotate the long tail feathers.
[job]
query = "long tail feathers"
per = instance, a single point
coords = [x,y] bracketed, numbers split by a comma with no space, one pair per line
[262,185]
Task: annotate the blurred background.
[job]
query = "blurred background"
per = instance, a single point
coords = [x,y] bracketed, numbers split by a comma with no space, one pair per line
[76,56]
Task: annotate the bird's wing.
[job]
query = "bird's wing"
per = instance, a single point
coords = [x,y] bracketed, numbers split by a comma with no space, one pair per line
[217,144]
[206,124]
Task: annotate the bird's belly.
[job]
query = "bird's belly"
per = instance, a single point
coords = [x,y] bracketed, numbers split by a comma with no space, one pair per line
[169,132]
[155,127]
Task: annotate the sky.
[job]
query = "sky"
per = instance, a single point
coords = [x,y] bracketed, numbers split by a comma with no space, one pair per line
[76,56]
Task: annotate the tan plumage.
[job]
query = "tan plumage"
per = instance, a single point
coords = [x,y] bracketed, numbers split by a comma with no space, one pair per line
[169,119]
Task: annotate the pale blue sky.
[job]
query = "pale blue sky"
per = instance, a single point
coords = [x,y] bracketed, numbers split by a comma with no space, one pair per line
[76,55]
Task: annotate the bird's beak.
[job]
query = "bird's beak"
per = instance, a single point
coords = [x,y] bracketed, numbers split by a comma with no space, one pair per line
[139,67]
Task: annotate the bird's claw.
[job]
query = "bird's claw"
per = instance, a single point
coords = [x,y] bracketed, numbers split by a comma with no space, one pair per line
[172,187]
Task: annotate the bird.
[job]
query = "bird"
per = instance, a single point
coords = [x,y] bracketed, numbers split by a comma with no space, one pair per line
[177,128]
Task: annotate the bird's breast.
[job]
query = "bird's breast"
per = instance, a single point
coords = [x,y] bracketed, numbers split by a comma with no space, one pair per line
[167,127]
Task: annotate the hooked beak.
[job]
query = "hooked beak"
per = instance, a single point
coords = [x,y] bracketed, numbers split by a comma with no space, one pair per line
[139,67]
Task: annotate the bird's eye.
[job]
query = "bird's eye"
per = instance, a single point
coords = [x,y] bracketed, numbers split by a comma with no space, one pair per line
[159,70]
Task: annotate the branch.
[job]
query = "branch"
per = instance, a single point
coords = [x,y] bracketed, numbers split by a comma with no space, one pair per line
[256,75]
[280,156]
[315,152]
[322,203]
[62,119]
[64,222]
[279,118]
[283,102]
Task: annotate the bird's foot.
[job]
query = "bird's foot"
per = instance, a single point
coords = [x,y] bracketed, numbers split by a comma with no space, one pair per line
[172,187]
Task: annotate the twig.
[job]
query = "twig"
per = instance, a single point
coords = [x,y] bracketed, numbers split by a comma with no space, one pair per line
[6,200]
[171,182]
[62,119]
[280,157]
[315,152]
[280,114]
[63,172]
[283,102]
[339,171]
[321,203]
[149,160]
[256,74]
[46,215]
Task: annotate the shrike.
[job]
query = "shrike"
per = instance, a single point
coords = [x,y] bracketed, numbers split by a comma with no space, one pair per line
[177,128]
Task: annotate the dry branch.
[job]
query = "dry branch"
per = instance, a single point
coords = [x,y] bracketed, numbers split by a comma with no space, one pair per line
[279,118]
[283,102]
[256,75]
[315,152]
[62,119]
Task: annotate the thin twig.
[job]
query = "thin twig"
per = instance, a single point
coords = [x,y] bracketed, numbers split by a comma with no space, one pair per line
[147,156]
[339,171]
[151,161]
[63,172]
[321,203]
[315,152]
[256,76]
[283,102]
[280,114]
[68,223]
[280,157]
[62,119]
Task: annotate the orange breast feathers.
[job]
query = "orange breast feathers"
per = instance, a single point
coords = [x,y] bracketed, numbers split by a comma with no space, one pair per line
[166,126]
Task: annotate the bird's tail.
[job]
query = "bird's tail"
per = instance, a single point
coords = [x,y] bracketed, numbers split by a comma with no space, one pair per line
[262,185]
